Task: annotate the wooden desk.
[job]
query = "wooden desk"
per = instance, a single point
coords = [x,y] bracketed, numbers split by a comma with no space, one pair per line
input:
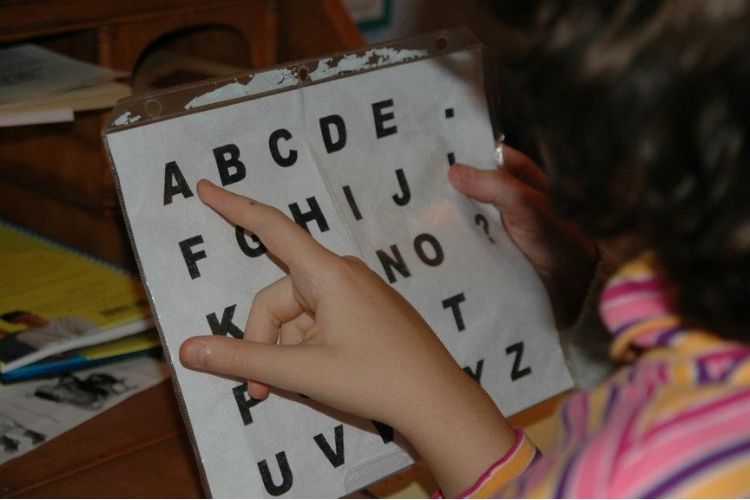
[140,449]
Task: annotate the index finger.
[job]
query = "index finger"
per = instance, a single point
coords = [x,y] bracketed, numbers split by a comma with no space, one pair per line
[280,234]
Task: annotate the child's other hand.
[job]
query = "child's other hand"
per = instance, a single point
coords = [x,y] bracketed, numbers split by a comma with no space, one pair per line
[335,331]
[563,256]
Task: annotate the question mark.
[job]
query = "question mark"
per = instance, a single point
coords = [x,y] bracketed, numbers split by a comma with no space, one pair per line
[481,220]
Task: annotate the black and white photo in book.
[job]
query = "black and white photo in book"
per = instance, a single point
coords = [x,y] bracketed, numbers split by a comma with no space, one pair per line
[356,150]
[35,412]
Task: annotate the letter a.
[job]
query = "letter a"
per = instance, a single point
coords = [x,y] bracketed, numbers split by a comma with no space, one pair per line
[174,183]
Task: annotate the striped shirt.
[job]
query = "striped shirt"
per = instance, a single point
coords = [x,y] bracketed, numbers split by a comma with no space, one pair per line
[674,422]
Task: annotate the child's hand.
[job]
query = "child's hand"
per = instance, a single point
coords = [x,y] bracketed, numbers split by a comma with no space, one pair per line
[563,256]
[335,331]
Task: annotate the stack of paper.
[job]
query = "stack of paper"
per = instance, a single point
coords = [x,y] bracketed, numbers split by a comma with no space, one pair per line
[41,86]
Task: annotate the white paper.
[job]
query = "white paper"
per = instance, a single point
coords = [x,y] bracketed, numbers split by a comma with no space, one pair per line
[33,413]
[18,118]
[504,307]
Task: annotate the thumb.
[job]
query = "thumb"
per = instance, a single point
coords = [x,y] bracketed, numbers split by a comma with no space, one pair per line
[285,367]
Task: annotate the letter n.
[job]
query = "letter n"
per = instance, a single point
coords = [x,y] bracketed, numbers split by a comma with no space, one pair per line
[390,263]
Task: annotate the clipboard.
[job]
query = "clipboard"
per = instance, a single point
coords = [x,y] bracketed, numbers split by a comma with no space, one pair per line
[355,147]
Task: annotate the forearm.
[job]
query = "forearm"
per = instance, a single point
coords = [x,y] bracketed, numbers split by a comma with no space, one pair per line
[462,436]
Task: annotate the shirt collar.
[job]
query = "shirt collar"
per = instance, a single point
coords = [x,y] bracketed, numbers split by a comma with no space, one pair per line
[638,306]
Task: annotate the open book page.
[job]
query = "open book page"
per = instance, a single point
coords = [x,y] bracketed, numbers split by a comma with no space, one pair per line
[33,413]
[361,162]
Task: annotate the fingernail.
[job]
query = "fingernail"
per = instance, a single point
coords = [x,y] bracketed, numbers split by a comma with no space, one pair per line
[193,354]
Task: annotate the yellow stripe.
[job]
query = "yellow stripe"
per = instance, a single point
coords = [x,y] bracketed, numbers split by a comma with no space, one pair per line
[683,372]
[698,342]
[640,266]
[597,400]
[508,471]
[547,486]
[621,344]
[724,481]
[741,374]
[673,400]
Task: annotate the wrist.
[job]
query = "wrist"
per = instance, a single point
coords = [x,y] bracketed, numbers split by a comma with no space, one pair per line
[460,433]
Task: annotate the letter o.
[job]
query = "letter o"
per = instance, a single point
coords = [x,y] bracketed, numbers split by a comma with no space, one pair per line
[419,242]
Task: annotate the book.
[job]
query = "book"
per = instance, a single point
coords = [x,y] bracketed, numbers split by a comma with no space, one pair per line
[87,357]
[55,299]
[355,147]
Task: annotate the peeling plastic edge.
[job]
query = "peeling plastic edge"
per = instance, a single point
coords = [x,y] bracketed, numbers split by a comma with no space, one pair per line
[157,322]
[141,110]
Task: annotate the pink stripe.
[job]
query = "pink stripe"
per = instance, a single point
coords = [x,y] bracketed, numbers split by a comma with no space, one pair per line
[489,472]
[647,338]
[595,466]
[735,353]
[641,400]
[628,287]
[717,366]
[630,312]
[612,440]
[664,373]
[650,373]
[646,333]
[661,455]
[540,470]
[576,409]
[700,411]
[578,416]
[633,300]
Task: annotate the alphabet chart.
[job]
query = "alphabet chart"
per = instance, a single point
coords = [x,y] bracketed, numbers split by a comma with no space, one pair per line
[356,149]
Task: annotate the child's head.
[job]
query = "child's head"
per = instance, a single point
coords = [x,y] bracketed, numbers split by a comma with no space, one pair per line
[643,109]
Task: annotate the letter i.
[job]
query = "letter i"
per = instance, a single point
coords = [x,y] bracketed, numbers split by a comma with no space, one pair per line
[451,156]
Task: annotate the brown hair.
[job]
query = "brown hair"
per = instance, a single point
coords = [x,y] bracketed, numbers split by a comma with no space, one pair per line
[642,110]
